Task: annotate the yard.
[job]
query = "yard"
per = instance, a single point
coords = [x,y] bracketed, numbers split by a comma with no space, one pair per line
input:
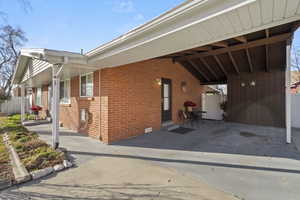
[6,174]
[34,153]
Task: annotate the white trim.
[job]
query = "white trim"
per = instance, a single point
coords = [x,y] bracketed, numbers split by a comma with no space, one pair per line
[69,90]
[22,103]
[288,95]
[86,74]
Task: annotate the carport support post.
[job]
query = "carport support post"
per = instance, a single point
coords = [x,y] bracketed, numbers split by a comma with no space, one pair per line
[288,93]
[56,69]
[22,103]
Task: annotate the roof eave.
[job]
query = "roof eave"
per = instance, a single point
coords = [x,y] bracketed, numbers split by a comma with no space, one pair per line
[48,55]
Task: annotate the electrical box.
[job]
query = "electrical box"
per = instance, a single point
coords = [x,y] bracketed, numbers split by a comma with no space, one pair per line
[148,130]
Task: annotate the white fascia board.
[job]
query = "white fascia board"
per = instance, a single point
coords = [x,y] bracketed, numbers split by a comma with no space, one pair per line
[21,64]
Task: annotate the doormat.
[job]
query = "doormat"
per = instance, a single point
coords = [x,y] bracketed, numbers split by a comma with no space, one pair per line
[182,130]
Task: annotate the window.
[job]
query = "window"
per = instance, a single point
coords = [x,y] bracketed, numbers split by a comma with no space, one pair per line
[64,92]
[38,97]
[86,85]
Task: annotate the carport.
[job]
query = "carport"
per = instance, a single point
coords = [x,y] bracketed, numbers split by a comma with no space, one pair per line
[40,67]
[255,67]
[244,44]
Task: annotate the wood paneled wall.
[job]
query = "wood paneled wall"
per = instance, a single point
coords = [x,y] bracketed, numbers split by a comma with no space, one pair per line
[262,104]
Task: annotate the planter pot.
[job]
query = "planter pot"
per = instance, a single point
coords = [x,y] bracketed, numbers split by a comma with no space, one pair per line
[189,108]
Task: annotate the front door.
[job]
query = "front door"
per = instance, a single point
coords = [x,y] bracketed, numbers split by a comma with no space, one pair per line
[166,99]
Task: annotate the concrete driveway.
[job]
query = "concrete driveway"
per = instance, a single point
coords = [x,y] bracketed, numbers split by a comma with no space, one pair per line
[248,162]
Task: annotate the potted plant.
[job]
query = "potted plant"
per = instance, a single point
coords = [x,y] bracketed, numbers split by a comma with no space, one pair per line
[189,105]
[35,109]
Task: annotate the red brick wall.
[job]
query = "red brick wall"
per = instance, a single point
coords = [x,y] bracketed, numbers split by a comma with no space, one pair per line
[131,98]
[69,113]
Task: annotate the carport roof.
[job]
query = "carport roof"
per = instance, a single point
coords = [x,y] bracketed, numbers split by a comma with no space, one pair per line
[195,23]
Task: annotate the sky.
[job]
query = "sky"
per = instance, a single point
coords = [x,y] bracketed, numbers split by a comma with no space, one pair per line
[72,25]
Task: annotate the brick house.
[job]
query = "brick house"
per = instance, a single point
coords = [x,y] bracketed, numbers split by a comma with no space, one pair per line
[141,79]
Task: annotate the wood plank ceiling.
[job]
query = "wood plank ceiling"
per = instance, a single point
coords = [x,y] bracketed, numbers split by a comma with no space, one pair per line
[212,63]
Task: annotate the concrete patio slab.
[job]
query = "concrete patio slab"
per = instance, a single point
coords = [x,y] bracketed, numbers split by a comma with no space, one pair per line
[249,162]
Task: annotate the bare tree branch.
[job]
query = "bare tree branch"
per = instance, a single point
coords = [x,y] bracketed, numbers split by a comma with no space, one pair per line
[295,62]
[11,40]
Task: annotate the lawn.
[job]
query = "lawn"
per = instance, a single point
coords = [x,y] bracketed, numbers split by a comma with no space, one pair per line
[5,167]
[34,153]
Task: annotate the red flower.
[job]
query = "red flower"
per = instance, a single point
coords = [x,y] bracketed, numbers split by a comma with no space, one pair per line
[189,104]
[36,108]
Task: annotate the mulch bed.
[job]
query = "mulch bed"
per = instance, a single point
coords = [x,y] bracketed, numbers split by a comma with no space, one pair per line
[34,153]
[6,173]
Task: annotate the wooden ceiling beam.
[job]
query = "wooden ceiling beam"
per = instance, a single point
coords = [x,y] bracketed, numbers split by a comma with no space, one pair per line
[252,44]
[204,48]
[267,59]
[234,63]
[199,71]
[220,44]
[242,39]
[267,51]
[221,82]
[192,71]
[220,65]
[249,60]
[209,68]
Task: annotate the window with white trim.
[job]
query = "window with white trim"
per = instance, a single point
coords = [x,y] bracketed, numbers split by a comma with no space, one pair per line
[64,91]
[86,85]
[38,97]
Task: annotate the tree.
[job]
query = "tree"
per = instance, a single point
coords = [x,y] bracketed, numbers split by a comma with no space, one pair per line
[11,39]
[295,62]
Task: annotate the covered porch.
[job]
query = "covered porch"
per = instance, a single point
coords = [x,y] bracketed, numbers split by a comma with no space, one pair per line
[38,68]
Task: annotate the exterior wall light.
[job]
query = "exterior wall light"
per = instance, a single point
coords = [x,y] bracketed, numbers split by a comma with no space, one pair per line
[252,83]
[243,84]
[158,81]
[183,86]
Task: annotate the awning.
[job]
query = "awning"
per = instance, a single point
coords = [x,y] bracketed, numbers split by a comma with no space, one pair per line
[34,67]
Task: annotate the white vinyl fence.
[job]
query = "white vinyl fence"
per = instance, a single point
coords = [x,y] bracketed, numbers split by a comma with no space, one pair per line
[13,106]
[296,110]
